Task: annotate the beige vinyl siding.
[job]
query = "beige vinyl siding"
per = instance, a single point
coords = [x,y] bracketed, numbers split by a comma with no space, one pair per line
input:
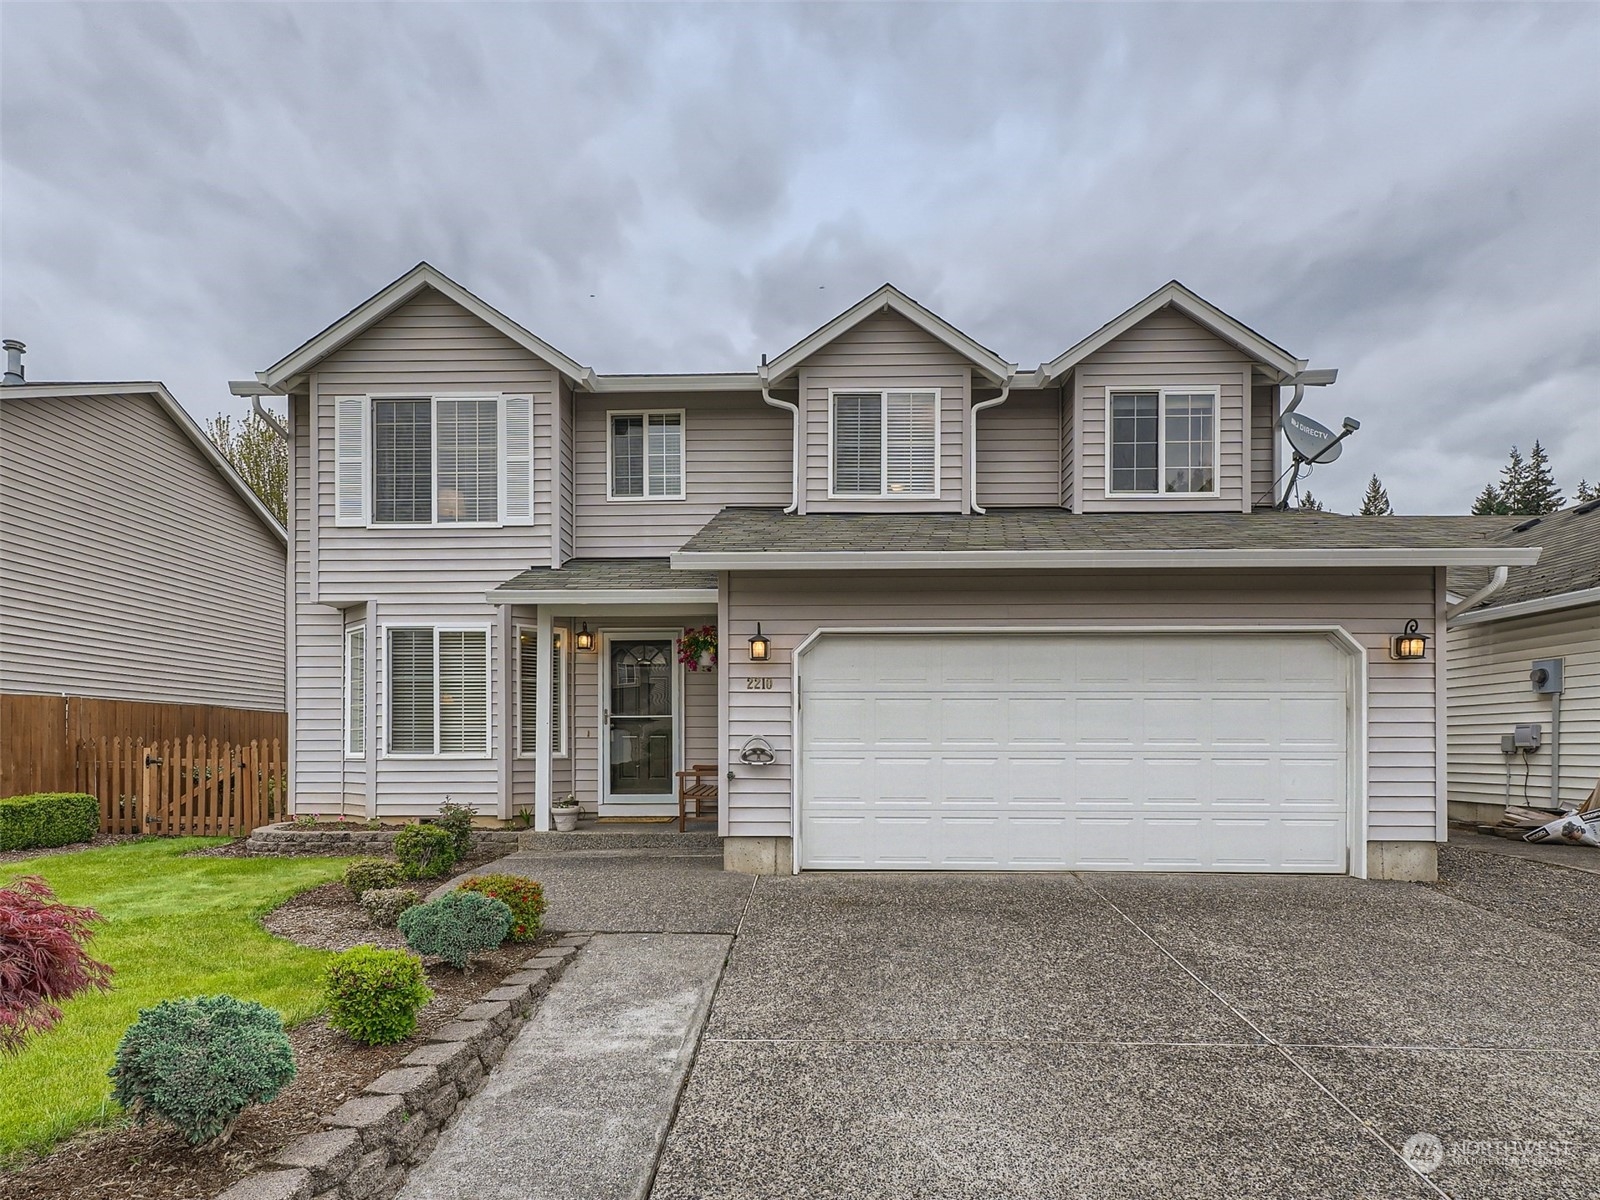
[1069,443]
[1490,692]
[886,351]
[1372,606]
[1263,439]
[1167,350]
[566,506]
[736,451]
[132,571]
[1019,452]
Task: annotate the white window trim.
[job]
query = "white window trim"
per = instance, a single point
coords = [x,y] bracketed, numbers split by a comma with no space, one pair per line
[559,690]
[1123,389]
[683,456]
[432,398]
[883,474]
[351,751]
[488,692]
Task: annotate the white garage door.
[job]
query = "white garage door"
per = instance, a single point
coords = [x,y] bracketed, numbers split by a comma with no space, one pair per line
[1159,752]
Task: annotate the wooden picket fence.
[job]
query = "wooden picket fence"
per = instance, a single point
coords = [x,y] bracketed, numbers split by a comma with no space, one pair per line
[190,787]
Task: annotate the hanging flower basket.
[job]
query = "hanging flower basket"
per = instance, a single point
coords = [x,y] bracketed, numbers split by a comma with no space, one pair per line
[697,648]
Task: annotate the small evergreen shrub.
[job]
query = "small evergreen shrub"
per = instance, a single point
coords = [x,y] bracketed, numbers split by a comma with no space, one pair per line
[44,819]
[457,818]
[365,874]
[42,959]
[383,906]
[424,851]
[456,926]
[521,895]
[374,995]
[198,1063]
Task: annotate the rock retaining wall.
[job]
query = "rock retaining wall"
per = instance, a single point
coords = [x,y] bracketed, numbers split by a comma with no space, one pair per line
[370,1141]
[286,839]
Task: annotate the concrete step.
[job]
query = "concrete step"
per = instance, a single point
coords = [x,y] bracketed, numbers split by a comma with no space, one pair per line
[664,839]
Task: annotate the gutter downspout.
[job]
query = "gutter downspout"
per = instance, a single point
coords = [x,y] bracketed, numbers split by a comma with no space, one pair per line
[1496,582]
[794,448]
[270,420]
[972,441]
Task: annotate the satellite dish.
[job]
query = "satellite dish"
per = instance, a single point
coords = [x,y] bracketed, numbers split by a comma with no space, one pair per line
[1311,440]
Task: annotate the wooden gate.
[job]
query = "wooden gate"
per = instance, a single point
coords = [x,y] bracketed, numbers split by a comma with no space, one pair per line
[184,788]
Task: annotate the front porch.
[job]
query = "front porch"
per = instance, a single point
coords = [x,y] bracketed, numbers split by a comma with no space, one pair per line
[593,646]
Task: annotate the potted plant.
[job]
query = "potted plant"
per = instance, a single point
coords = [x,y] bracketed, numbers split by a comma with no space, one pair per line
[565,812]
[697,648]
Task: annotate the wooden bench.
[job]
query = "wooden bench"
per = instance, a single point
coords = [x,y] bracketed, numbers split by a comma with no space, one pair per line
[697,785]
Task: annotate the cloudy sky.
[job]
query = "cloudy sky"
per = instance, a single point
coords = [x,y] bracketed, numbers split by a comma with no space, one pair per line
[1410,193]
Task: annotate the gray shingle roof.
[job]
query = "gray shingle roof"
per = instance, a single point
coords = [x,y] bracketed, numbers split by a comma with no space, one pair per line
[1570,562]
[608,574]
[761,530]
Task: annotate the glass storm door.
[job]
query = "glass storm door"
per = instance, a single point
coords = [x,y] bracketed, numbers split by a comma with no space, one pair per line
[639,703]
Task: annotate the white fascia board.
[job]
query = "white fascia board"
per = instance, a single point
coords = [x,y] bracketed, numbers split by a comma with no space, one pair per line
[374,309]
[969,560]
[677,383]
[891,297]
[1529,608]
[630,597]
[1197,309]
[180,417]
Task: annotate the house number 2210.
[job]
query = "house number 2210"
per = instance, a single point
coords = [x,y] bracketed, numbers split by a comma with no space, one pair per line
[758,683]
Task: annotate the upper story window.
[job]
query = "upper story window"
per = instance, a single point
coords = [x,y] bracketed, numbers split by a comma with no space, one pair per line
[646,456]
[884,444]
[1163,442]
[433,460]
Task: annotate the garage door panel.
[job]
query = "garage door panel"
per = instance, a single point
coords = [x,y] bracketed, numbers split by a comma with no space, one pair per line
[1181,752]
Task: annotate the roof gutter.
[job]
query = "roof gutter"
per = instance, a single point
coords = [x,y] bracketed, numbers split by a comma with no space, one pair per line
[794,447]
[1022,560]
[972,441]
[1529,608]
[1496,582]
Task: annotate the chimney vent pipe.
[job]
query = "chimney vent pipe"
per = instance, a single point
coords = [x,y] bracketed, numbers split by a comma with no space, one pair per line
[14,351]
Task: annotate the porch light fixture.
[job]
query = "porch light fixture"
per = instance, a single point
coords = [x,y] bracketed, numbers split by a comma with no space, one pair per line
[585,639]
[1410,644]
[760,647]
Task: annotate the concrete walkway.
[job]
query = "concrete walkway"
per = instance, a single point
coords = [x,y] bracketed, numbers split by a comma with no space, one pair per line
[1559,854]
[579,1106]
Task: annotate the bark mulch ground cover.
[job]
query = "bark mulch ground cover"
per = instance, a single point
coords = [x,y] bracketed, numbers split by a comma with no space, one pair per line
[129,1162]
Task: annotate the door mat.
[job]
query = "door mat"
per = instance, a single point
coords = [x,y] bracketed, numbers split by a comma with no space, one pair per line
[635,820]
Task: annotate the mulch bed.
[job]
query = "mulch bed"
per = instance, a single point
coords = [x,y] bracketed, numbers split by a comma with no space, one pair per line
[130,1162]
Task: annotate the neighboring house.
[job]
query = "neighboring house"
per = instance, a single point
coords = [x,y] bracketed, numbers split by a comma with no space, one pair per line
[143,591]
[1548,611]
[1016,619]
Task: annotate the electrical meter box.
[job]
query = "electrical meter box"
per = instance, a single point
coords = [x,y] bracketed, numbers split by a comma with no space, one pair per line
[1522,738]
[1546,676]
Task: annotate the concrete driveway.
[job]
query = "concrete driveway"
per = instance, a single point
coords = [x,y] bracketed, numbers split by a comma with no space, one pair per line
[1111,1036]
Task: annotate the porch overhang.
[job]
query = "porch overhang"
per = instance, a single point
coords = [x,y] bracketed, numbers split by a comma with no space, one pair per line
[624,583]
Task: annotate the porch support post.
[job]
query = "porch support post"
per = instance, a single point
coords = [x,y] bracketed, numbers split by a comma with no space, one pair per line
[544,696]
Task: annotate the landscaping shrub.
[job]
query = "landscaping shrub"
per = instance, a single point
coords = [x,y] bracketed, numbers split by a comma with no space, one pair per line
[425,851]
[457,818]
[384,905]
[521,895]
[200,1062]
[47,819]
[42,958]
[374,995]
[456,925]
[365,874]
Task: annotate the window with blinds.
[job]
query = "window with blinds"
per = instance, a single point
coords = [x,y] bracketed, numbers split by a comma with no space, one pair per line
[646,456]
[355,691]
[467,432]
[885,444]
[402,462]
[528,696]
[438,691]
[439,461]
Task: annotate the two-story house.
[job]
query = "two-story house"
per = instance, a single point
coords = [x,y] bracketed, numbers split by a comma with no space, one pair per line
[968,616]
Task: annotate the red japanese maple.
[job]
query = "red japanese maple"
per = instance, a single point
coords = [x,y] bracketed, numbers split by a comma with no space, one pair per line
[43,959]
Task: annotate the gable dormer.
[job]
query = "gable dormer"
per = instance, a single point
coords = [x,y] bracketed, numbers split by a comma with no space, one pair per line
[884,391]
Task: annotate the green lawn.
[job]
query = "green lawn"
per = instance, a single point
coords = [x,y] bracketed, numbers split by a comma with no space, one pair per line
[174,927]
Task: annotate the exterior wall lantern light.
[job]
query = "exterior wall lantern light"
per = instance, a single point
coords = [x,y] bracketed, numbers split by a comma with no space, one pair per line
[585,639]
[760,647]
[1410,644]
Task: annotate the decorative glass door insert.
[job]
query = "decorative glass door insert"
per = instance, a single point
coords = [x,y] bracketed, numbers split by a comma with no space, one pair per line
[640,716]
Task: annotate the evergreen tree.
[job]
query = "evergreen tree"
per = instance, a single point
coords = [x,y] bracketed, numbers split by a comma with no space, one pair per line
[1489,503]
[1309,503]
[259,455]
[1376,502]
[1586,492]
[1539,493]
[1513,476]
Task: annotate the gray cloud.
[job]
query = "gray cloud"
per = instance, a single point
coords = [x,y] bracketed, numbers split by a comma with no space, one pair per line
[1405,192]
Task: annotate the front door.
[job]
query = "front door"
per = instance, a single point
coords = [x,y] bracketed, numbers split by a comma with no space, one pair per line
[639,711]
